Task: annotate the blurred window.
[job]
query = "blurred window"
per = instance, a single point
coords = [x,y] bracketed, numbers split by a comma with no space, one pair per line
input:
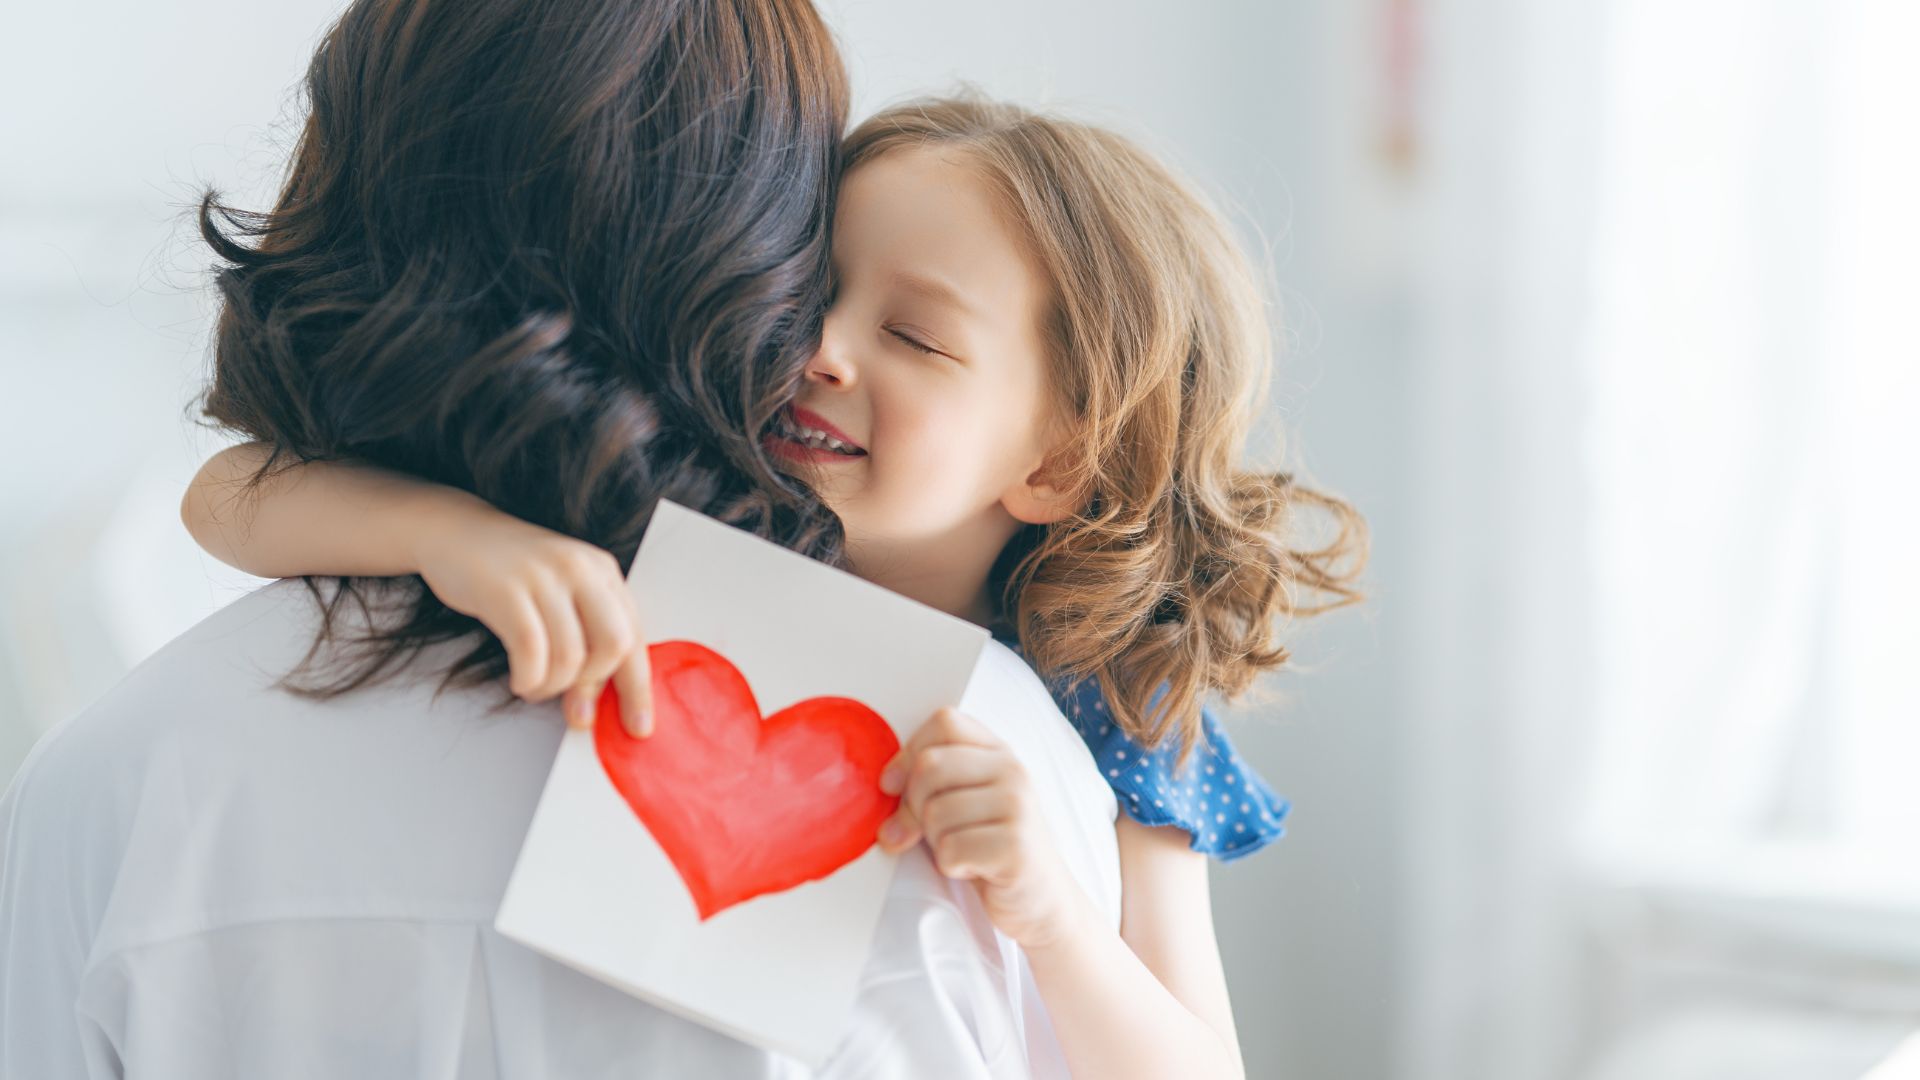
[1755,363]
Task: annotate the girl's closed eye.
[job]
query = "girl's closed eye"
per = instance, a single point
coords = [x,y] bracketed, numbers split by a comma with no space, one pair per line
[916,344]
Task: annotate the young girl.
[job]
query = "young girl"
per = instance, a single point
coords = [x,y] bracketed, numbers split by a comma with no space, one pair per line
[1041,360]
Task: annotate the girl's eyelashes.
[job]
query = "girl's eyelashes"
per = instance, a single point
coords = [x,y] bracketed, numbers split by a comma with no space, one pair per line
[912,342]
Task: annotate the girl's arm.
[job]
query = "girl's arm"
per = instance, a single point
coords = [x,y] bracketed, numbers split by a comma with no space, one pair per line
[1147,1002]
[320,518]
[1152,1000]
[559,605]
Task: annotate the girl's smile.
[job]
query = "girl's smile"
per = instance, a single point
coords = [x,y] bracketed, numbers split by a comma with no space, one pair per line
[804,435]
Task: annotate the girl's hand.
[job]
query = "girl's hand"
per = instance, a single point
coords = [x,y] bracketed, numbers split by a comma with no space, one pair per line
[559,605]
[971,798]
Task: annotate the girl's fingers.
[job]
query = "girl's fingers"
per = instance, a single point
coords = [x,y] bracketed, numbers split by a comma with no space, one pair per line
[959,808]
[610,638]
[940,812]
[950,765]
[947,726]
[969,852]
[953,773]
[967,772]
[954,726]
[566,643]
[578,705]
[610,633]
[524,635]
[633,680]
[900,831]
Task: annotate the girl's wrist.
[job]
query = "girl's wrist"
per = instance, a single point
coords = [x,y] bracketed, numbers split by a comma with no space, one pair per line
[1069,929]
[440,513]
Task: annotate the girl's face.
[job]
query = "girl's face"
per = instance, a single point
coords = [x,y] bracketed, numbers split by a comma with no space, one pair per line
[931,368]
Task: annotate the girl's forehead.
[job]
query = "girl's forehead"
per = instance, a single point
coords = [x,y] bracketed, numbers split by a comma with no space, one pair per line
[935,220]
[921,190]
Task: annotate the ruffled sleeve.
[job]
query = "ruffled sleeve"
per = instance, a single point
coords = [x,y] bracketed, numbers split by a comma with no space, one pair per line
[1227,809]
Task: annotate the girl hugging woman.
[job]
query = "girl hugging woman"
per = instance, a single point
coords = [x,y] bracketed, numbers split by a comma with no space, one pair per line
[1041,360]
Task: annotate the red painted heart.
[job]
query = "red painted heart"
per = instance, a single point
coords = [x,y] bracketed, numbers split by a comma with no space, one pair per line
[744,807]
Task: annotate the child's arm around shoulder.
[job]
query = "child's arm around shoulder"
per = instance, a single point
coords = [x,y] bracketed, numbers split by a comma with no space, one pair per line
[319,517]
[559,605]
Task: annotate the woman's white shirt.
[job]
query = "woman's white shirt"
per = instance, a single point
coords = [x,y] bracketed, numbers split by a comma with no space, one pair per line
[204,877]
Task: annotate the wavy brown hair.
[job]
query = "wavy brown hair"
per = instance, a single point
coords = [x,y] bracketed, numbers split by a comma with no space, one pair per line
[1175,577]
[568,255]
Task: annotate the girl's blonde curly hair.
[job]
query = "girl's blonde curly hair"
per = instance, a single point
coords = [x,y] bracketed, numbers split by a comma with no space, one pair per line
[1180,566]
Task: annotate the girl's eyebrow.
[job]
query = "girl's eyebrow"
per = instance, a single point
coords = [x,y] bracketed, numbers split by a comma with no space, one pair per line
[935,290]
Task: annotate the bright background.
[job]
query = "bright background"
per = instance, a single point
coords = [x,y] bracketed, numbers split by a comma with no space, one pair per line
[1602,314]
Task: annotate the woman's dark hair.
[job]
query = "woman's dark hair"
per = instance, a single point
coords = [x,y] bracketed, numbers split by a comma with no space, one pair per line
[568,256]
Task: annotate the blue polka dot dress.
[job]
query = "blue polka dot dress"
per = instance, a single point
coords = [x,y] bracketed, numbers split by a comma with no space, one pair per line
[1225,807]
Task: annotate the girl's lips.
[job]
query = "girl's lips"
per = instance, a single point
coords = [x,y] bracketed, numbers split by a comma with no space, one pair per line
[810,419]
[780,446]
[794,450]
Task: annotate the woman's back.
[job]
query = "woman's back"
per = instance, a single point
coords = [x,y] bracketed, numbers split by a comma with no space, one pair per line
[213,877]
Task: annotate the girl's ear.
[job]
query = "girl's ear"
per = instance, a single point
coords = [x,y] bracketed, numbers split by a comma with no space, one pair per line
[1043,497]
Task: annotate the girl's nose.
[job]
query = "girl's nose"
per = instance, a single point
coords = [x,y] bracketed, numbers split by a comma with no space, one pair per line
[829,365]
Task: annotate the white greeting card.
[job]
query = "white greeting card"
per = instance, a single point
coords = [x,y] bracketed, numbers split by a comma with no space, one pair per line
[724,868]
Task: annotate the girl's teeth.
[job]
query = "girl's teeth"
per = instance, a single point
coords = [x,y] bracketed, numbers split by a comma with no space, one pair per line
[818,440]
